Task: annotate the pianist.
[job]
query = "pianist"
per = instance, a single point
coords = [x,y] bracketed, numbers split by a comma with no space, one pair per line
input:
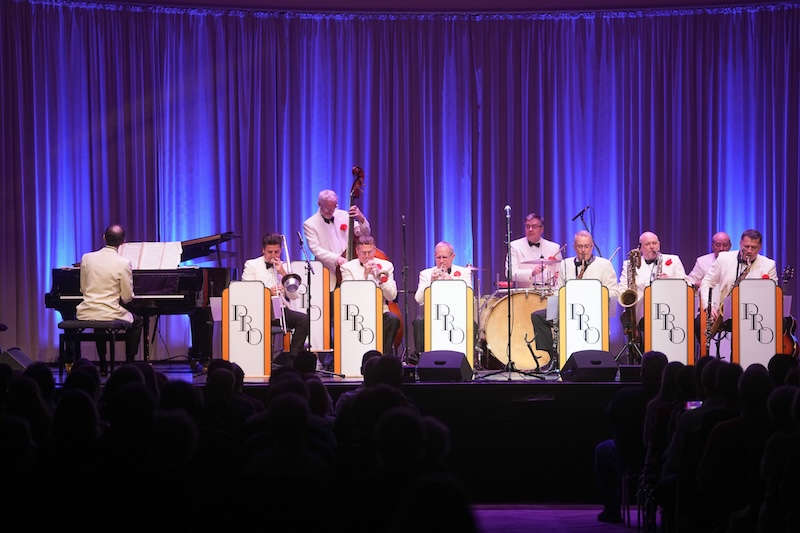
[269,270]
[107,280]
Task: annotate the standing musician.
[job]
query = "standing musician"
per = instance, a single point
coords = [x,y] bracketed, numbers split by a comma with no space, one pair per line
[532,246]
[745,262]
[326,231]
[443,255]
[584,265]
[366,266]
[720,242]
[106,284]
[269,270]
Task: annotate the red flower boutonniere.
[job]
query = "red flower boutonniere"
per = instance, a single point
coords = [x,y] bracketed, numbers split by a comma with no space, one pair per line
[384,278]
[457,274]
[668,262]
[765,276]
[343,227]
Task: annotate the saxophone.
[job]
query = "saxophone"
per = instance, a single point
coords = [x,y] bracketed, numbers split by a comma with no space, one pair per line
[659,266]
[630,296]
[716,325]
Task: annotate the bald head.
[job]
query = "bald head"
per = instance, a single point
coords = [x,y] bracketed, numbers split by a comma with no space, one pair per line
[114,235]
[649,245]
[443,254]
[720,242]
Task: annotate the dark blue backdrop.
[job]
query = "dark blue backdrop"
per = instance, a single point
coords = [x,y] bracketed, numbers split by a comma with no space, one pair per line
[180,123]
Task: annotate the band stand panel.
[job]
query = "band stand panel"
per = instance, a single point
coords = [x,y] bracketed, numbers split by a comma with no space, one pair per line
[320,319]
[247,327]
[669,320]
[757,321]
[578,330]
[448,296]
[357,324]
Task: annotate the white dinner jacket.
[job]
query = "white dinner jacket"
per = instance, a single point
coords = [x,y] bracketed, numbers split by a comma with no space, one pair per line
[256,270]
[355,270]
[457,272]
[671,268]
[522,251]
[328,241]
[599,269]
[722,275]
[701,267]
[106,279]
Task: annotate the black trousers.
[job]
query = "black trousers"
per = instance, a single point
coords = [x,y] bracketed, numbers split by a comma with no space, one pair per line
[391,324]
[132,337]
[299,323]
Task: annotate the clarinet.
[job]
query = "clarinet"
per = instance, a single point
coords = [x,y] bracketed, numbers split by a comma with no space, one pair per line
[709,323]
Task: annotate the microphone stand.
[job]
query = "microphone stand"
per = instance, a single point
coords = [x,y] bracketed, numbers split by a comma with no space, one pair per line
[406,350]
[583,222]
[509,367]
[309,271]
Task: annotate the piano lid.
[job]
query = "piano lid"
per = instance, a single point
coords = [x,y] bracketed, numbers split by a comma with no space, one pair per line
[201,247]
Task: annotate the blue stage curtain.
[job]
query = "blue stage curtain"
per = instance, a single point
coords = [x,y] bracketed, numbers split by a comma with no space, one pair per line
[179,123]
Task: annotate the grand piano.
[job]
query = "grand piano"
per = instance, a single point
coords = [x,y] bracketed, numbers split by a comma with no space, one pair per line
[177,291]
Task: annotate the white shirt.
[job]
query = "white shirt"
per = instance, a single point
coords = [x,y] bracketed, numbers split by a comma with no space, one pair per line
[701,266]
[256,270]
[723,272]
[599,269]
[106,279]
[456,272]
[328,241]
[522,251]
[355,270]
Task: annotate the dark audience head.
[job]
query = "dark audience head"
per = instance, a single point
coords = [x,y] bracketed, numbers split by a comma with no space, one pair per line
[131,410]
[699,368]
[754,388]
[76,421]
[727,382]
[288,417]
[437,441]
[669,389]
[219,387]
[367,356]
[149,375]
[779,405]
[687,384]
[85,378]
[319,401]
[793,377]
[305,362]
[175,441]
[286,383]
[16,445]
[369,371]
[218,363]
[653,364]
[25,400]
[708,378]
[114,235]
[177,394]
[779,366]
[399,440]
[389,371]
[238,378]
[43,376]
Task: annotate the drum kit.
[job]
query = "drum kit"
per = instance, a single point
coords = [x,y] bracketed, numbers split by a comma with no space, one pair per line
[492,313]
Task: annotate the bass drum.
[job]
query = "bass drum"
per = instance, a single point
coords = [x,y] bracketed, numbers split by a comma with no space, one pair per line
[494,326]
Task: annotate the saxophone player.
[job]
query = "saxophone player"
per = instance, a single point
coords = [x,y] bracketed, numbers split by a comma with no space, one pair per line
[443,254]
[270,270]
[583,265]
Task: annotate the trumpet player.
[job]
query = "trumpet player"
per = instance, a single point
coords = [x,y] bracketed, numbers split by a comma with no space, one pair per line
[367,266]
[270,270]
[443,255]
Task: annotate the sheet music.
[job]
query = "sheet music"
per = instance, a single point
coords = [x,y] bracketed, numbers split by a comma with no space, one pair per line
[152,255]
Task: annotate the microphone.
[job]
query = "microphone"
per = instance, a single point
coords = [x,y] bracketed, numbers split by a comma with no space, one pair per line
[300,238]
[508,211]
[403,220]
[582,211]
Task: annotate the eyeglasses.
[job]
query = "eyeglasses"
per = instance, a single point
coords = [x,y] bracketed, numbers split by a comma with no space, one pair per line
[533,226]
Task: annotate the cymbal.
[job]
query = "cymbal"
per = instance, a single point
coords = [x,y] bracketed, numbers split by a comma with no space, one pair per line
[541,262]
[473,268]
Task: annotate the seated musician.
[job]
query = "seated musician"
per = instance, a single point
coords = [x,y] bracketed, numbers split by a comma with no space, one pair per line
[733,266]
[654,265]
[366,266]
[326,231]
[269,270]
[443,255]
[532,246]
[584,265]
[720,242]
[106,283]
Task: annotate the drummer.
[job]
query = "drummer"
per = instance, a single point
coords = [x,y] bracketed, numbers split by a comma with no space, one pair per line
[443,256]
[584,265]
[533,246]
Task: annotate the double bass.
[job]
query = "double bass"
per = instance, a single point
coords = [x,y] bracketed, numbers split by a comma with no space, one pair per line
[350,253]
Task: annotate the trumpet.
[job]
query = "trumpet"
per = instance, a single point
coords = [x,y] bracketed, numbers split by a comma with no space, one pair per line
[440,273]
[630,296]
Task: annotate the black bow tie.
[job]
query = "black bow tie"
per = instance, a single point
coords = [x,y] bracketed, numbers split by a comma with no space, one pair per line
[588,261]
[328,220]
[268,264]
[536,244]
[650,261]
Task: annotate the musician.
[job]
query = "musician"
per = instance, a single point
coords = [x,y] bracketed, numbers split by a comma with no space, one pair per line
[746,262]
[326,231]
[720,242]
[532,246]
[269,270]
[584,265]
[106,282]
[366,266]
[443,255]
[655,265]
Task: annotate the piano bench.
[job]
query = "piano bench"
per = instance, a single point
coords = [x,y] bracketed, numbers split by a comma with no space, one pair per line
[104,331]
